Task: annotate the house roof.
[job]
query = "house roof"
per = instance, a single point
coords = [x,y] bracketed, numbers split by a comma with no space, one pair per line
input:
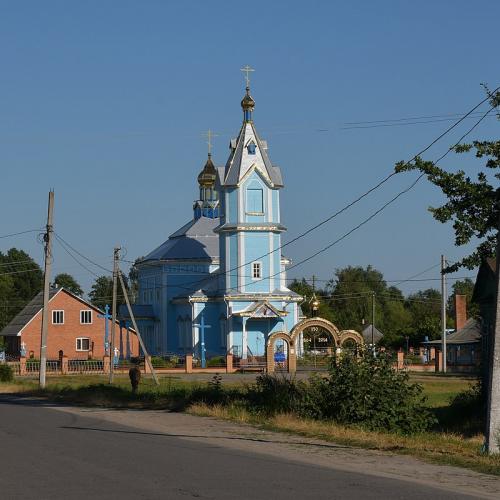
[34,307]
[470,333]
[367,334]
[193,241]
[29,311]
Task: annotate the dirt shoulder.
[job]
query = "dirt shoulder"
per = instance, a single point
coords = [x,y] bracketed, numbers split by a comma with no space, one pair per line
[305,450]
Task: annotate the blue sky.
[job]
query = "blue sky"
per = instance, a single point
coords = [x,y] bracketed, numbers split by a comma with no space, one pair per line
[106,103]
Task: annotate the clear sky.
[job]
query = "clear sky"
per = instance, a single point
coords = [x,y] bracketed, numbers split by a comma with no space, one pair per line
[106,101]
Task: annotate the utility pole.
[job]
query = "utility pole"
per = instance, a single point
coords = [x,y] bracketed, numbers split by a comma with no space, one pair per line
[137,332]
[116,255]
[443,311]
[493,403]
[373,322]
[46,290]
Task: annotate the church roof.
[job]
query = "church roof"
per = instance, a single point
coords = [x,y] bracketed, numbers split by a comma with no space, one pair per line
[195,240]
[240,161]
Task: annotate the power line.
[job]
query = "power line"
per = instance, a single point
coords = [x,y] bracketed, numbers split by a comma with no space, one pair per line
[21,232]
[81,255]
[60,241]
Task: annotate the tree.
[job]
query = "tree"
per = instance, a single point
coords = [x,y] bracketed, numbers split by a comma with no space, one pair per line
[471,204]
[67,281]
[20,280]
[101,292]
[425,309]
[302,287]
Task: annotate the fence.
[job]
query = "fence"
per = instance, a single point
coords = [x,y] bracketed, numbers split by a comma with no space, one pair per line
[85,366]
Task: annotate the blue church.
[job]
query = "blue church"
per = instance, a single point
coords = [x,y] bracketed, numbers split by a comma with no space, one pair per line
[217,285]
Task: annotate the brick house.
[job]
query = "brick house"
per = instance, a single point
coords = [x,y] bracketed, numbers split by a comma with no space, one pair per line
[75,329]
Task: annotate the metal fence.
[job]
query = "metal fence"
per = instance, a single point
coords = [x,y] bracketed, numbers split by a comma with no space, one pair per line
[85,366]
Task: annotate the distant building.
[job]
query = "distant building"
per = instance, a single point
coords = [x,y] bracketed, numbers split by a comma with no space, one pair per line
[464,345]
[367,335]
[76,329]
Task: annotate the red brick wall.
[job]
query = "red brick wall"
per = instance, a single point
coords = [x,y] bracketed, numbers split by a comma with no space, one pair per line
[63,337]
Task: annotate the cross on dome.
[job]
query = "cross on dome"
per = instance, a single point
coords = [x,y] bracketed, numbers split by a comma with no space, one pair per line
[247,70]
[209,135]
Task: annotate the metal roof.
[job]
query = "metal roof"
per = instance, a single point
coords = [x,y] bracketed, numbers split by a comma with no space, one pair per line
[26,315]
[233,173]
[470,333]
[195,240]
[367,334]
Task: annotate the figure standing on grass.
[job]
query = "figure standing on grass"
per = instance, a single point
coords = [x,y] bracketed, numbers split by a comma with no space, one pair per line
[135,375]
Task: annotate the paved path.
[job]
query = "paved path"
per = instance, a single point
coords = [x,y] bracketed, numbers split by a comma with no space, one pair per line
[51,452]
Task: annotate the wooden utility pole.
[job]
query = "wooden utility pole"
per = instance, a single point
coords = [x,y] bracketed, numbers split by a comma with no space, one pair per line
[138,333]
[373,322]
[493,403]
[46,290]
[443,311]
[116,255]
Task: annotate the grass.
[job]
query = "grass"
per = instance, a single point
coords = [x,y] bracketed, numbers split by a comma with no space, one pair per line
[452,442]
[441,448]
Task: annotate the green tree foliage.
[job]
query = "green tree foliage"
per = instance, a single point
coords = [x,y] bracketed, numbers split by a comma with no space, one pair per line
[302,287]
[425,311]
[471,205]
[21,278]
[67,281]
[101,292]
[346,301]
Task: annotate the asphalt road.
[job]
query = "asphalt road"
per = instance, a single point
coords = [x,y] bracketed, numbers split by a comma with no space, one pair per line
[50,454]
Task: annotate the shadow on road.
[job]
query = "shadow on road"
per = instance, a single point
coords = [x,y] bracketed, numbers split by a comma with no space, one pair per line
[196,436]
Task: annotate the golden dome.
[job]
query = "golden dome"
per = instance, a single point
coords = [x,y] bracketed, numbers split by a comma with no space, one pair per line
[247,103]
[207,176]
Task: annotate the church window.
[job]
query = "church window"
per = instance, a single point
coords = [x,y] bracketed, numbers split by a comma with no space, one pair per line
[223,335]
[255,201]
[251,148]
[256,270]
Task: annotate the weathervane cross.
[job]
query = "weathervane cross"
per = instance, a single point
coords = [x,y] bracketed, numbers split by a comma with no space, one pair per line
[209,135]
[247,70]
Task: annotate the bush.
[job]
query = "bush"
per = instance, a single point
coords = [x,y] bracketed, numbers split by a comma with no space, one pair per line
[273,394]
[159,362]
[367,391]
[216,361]
[6,373]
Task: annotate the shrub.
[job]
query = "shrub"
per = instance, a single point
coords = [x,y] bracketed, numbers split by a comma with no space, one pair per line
[6,373]
[159,362]
[367,391]
[273,394]
[216,361]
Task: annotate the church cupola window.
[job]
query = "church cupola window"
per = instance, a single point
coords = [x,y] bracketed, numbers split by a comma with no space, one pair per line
[255,201]
[251,147]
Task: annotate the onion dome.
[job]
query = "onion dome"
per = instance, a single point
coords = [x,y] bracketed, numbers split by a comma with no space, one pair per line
[207,176]
[247,103]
